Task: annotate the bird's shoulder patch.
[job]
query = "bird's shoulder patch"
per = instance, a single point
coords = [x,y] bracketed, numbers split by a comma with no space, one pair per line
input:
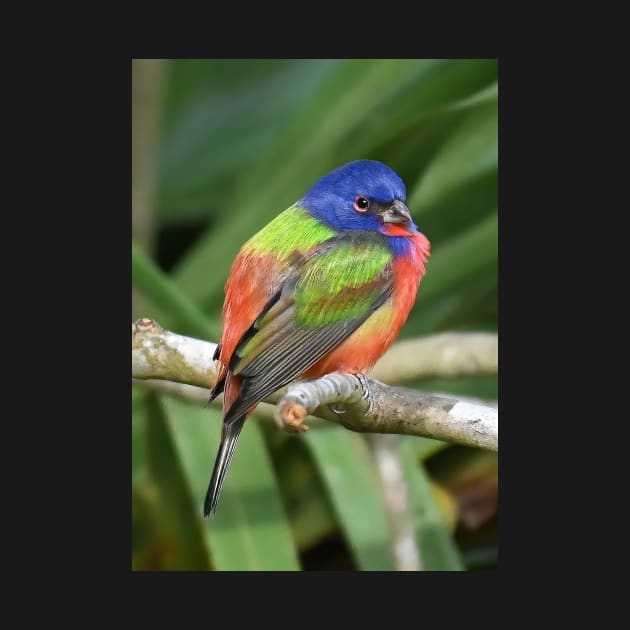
[294,230]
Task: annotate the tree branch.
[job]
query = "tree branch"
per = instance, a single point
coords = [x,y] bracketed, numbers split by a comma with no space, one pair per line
[446,354]
[394,410]
[407,556]
[199,396]
[161,354]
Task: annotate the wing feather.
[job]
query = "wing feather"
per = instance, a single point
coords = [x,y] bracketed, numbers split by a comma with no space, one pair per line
[291,334]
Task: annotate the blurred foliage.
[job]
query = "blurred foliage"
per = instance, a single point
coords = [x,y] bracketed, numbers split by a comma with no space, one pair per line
[238,141]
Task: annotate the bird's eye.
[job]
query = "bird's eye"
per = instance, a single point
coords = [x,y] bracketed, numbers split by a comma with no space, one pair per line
[361,204]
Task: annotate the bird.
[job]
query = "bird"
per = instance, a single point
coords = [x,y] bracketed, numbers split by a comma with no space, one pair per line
[324,287]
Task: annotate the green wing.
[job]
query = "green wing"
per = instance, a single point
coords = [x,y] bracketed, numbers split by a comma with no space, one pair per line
[327,295]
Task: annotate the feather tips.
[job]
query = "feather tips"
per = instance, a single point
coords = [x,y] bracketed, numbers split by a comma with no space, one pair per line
[320,304]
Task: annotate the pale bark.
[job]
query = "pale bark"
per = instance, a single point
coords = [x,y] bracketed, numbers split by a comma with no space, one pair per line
[161,354]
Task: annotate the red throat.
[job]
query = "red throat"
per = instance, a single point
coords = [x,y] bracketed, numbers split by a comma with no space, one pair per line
[397,229]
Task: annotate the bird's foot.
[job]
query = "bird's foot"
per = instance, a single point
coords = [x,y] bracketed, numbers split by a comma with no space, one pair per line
[367,392]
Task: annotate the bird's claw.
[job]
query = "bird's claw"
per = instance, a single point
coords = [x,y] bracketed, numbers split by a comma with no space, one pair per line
[337,409]
[367,391]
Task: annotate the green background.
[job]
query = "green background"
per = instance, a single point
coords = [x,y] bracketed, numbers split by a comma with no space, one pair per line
[219,148]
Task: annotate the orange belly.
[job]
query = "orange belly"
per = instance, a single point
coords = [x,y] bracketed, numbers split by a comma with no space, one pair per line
[363,348]
[359,352]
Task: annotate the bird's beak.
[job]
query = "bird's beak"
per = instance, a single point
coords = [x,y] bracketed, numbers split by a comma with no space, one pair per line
[397,213]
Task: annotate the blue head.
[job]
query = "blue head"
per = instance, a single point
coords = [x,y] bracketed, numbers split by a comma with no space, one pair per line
[361,195]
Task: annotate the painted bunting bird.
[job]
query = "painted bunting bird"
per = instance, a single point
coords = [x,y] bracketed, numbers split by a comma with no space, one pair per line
[324,287]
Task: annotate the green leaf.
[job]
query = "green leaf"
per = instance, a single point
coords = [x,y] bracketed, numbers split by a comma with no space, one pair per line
[461,308]
[157,285]
[460,258]
[346,466]
[139,466]
[250,530]
[482,386]
[465,205]
[153,547]
[437,548]
[138,398]
[177,503]
[310,514]
[212,131]
[441,94]
[425,447]
[470,150]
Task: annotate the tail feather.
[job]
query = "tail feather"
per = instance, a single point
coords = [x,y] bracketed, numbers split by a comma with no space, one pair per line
[216,390]
[229,437]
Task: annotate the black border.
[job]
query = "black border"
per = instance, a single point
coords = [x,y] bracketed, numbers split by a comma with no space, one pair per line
[81,493]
